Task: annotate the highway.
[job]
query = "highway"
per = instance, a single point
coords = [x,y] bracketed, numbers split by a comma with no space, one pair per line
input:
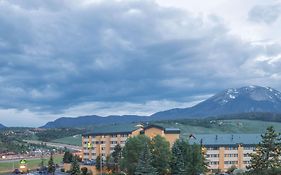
[56,145]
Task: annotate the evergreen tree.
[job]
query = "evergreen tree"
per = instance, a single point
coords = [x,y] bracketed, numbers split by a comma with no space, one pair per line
[187,159]
[161,155]
[267,156]
[75,168]
[144,166]
[131,153]
[116,156]
[51,165]
[197,163]
[42,162]
[67,157]
[177,162]
[98,162]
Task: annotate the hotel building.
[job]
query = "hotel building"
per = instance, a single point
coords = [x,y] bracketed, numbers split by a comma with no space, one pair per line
[103,142]
[225,150]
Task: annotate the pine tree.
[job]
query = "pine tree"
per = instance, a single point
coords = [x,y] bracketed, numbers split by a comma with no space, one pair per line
[131,153]
[161,155]
[116,156]
[197,163]
[98,162]
[267,156]
[67,157]
[177,162]
[75,168]
[144,166]
[51,165]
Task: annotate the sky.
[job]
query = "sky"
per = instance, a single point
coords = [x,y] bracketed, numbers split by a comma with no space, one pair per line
[113,57]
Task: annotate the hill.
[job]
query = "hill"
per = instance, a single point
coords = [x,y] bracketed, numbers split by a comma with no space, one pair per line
[93,120]
[248,99]
[2,126]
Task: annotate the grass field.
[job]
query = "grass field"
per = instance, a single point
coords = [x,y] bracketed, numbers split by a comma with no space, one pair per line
[32,164]
[72,140]
[200,127]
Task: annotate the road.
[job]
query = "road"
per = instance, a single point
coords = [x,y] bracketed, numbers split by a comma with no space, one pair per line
[58,172]
[56,145]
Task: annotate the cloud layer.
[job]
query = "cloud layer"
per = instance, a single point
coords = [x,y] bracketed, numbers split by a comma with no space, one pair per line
[61,57]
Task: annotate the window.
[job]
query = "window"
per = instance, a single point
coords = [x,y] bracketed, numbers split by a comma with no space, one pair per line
[212,155]
[231,162]
[231,155]
[214,163]
[249,148]
[212,148]
[230,148]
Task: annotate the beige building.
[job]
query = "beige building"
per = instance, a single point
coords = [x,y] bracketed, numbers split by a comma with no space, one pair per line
[225,150]
[103,143]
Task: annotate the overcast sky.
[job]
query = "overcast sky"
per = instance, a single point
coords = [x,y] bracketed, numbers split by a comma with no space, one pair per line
[104,57]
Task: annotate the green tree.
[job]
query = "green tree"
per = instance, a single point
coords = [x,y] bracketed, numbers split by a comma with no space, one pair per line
[177,161]
[161,155]
[51,165]
[116,155]
[187,159]
[75,168]
[98,162]
[131,153]
[266,159]
[42,162]
[196,163]
[144,166]
[67,157]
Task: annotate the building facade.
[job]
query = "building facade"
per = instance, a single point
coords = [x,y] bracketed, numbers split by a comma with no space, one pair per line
[226,150]
[103,143]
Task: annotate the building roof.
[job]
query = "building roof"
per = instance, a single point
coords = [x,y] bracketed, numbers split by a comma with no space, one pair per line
[113,129]
[127,129]
[225,139]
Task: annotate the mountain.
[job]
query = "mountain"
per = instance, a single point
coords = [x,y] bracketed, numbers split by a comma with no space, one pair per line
[2,126]
[93,120]
[248,99]
[231,101]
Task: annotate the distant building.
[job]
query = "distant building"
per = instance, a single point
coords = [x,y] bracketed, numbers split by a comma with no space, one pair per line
[102,142]
[225,150]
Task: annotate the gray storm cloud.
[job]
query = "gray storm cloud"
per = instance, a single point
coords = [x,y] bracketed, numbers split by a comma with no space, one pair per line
[58,54]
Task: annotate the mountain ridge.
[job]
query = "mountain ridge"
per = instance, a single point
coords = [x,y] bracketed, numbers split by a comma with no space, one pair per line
[245,99]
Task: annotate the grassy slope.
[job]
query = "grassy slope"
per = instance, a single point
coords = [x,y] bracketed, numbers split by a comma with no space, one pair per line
[202,127]
[72,140]
[227,126]
[32,164]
